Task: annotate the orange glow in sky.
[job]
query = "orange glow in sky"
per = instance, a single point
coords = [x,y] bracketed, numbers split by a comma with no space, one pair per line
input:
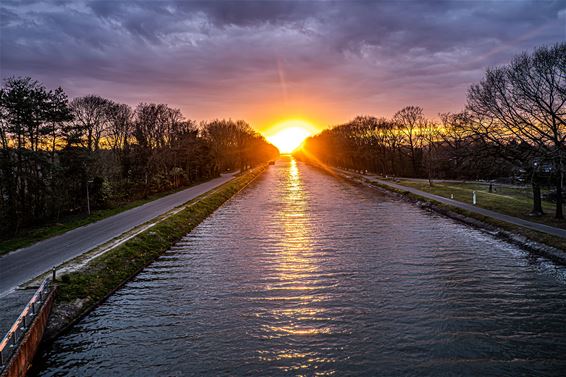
[288,135]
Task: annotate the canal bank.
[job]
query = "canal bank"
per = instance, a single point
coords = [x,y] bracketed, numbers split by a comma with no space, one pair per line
[80,291]
[306,274]
[547,245]
[18,267]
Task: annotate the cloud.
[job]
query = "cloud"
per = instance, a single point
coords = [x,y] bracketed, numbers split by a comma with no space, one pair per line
[325,60]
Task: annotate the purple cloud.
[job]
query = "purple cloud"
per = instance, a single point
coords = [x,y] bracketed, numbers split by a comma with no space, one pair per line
[325,60]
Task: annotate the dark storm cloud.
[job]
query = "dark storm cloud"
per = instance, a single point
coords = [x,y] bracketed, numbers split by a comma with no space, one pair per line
[367,56]
[249,13]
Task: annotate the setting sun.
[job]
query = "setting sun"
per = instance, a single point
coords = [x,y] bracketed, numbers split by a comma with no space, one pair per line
[288,136]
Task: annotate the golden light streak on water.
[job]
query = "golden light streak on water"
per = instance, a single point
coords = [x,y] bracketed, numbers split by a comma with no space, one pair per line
[296,273]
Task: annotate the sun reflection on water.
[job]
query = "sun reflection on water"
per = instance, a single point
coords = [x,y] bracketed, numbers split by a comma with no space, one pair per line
[299,315]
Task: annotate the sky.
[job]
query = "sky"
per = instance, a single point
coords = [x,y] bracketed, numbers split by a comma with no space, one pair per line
[265,62]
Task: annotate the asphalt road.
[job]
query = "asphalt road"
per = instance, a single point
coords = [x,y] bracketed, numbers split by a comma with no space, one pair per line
[25,264]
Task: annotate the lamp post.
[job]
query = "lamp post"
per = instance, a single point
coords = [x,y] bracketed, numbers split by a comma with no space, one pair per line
[88,182]
[535,183]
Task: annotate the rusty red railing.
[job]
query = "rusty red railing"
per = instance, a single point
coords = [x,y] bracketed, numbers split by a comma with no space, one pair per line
[17,331]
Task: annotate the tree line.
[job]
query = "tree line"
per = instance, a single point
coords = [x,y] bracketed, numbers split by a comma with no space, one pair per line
[513,125]
[55,151]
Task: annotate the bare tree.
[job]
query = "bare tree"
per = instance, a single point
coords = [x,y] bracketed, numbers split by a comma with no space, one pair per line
[430,134]
[525,102]
[91,119]
[221,136]
[410,122]
[120,118]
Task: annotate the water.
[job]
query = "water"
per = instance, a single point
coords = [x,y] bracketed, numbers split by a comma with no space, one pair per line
[305,274]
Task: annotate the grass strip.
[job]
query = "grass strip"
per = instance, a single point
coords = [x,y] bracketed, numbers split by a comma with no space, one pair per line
[80,291]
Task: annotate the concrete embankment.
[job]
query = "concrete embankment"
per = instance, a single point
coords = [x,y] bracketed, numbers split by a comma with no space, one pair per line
[81,291]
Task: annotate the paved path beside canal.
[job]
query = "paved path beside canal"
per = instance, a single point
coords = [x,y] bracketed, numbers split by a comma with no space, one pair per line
[25,264]
[558,232]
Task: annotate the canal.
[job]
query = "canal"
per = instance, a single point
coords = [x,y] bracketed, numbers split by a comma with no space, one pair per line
[306,274]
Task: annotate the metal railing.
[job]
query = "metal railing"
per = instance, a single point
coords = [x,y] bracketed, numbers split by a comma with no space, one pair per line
[17,331]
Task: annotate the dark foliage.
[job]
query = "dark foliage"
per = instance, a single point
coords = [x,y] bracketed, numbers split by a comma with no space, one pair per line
[54,151]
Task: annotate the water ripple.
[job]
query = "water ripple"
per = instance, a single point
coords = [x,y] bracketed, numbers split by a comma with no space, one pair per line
[305,274]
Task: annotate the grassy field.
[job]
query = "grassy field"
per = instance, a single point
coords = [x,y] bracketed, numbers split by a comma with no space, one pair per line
[30,236]
[512,201]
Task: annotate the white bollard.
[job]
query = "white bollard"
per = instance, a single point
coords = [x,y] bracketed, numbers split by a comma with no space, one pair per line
[452,196]
[474,198]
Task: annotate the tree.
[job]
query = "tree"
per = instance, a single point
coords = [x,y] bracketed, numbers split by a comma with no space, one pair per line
[58,114]
[430,134]
[411,122]
[29,113]
[119,134]
[221,136]
[91,115]
[51,152]
[525,102]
